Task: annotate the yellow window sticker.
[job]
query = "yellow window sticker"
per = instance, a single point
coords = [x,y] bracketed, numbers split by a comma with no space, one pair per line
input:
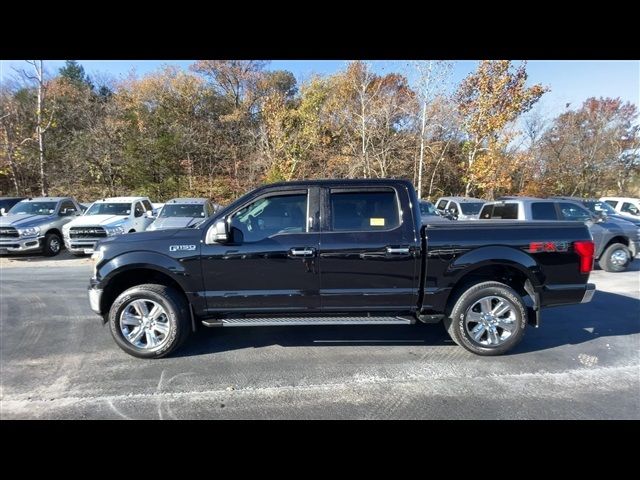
[376,222]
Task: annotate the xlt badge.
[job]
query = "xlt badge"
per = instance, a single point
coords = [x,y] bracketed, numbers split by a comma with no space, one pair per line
[181,248]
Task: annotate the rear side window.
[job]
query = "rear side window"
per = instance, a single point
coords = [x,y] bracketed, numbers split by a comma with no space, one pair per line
[543,211]
[442,204]
[613,203]
[147,205]
[364,211]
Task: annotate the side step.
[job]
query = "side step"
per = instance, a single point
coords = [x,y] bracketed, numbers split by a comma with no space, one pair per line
[288,321]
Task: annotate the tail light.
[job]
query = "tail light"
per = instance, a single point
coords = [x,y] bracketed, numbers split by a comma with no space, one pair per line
[585,249]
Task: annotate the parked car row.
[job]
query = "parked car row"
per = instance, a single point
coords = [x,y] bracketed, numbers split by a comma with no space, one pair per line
[48,224]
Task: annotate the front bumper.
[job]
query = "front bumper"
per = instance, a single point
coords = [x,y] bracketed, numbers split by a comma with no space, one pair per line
[95,295]
[81,245]
[20,244]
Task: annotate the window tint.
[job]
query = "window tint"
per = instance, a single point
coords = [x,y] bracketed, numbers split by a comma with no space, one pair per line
[486,211]
[613,203]
[543,211]
[573,212]
[147,205]
[442,204]
[453,208]
[139,210]
[269,216]
[67,208]
[506,211]
[629,208]
[471,208]
[364,211]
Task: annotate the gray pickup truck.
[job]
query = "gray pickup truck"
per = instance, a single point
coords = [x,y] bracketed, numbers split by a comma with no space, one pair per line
[35,224]
[616,241]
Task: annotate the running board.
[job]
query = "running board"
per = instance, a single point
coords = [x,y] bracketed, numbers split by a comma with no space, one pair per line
[287,321]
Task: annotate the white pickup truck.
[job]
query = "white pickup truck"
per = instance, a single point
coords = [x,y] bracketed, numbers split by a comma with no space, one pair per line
[105,218]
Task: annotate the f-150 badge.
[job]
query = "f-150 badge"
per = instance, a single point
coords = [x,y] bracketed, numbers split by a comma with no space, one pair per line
[181,248]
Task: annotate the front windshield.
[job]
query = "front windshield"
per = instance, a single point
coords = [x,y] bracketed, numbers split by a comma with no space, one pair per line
[427,208]
[182,210]
[106,208]
[600,207]
[471,208]
[33,208]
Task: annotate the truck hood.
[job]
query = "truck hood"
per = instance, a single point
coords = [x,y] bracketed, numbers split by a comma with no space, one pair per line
[613,224]
[623,218]
[24,221]
[174,222]
[96,220]
[150,236]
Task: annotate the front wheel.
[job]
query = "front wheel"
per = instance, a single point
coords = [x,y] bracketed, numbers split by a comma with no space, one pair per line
[52,244]
[149,321]
[488,318]
[616,258]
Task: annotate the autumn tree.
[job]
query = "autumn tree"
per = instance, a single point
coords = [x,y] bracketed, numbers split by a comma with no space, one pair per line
[488,100]
[594,149]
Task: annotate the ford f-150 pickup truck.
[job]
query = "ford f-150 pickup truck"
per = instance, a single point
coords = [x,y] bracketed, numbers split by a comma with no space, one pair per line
[337,252]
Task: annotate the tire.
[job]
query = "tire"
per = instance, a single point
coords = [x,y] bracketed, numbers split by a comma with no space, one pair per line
[611,258]
[175,320]
[52,244]
[495,335]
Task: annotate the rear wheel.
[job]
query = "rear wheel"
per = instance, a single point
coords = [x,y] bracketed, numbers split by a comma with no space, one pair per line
[616,258]
[52,244]
[488,318]
[149,321]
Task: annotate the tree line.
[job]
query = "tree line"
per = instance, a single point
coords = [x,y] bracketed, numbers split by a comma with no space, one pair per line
[226,126]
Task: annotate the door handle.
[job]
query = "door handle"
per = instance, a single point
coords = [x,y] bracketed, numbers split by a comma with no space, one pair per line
[398,250]
[302,252]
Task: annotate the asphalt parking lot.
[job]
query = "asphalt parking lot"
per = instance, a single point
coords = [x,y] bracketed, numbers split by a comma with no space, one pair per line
[58,361]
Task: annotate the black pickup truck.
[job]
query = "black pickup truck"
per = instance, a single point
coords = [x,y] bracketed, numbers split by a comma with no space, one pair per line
[337,252]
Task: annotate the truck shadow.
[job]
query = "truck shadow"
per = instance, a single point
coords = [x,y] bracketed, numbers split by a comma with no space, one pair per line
[608,314]
[40,257]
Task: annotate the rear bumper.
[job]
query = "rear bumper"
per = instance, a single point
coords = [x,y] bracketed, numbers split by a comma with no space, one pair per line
[588,293]
[21,244]
[567,294]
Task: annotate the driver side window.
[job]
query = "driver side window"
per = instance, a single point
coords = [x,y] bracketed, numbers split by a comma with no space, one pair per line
[271,215]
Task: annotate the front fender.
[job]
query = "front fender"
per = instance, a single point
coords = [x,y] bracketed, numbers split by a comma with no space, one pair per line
[148,260]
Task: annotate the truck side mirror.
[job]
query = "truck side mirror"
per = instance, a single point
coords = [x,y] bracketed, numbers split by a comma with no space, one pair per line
[148,214]
[2,212]
[218,232]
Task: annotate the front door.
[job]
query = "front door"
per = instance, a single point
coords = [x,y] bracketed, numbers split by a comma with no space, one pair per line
[270,263]
[368,258]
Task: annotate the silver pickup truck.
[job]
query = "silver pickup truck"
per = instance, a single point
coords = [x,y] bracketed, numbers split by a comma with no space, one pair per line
[35,224]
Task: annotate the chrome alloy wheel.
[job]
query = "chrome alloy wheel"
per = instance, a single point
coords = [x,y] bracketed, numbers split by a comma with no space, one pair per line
[145,324]
[490,321]
[54,245]
[619,257]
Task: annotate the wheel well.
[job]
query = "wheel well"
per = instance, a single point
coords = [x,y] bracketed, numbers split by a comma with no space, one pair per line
[499,273]
[54,230]
[131,231]
[130,278]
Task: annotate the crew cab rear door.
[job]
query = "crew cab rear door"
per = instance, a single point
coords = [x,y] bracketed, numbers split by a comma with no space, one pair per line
[367,250]
[271,261]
